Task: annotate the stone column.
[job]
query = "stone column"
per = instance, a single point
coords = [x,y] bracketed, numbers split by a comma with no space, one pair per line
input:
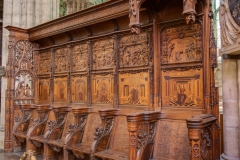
[23,18]
[46,10]
[30,13]
[7,16]
[38,12]
[230,109]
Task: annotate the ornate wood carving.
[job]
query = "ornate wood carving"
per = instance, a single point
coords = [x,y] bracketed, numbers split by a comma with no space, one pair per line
[24,76]
[60,89]
[102,89]
[79,89]
[61,60]
[44,89]
[80,57]
[44,63]
[134,13]
[182,89]
[103,54]
[181,44]
[134,50]
[234,7]
[134,88]
[200,132]
[171,140]
[189,10]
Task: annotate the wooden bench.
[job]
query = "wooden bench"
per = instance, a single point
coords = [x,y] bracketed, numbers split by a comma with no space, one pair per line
[38,127]
[21,124]
[128,136]
[55,130]
[81,135]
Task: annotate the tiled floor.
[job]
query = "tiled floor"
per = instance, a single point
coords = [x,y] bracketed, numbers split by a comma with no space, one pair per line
[12,156]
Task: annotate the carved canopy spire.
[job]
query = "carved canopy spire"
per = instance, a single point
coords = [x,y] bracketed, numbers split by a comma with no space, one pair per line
[134,8]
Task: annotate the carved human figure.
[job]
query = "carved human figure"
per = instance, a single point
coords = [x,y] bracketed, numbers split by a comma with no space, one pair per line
[178,55]
[61,94]
[20,91]
[80,92]
[181,94]
[103,93]
[27,90]
[134,95]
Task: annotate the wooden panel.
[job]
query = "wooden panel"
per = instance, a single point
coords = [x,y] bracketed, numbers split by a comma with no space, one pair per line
[79,88]
[134,88]
[60,89]
[102,89]
[61,60]
[181,43]
[80,57]
[171,140]
[93,121]
[69,120]
[121,135]
[44,89]
[44,62]
[103,54]
[182,88]
[134,50]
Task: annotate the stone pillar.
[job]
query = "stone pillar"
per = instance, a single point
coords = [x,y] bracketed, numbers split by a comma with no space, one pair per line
[38,12]
[23,15]
[7,16]
[30,13]
[46,10]
[230,109]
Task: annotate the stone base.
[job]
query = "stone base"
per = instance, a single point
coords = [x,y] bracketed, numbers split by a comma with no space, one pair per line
[225,157]
[2,137]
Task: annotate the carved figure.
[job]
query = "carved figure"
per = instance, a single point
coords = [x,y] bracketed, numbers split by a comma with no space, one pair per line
[27,90]
[61,94]
[20,91]
[103,93]
[181,95]
[134,96]
[190,50]
[178,55]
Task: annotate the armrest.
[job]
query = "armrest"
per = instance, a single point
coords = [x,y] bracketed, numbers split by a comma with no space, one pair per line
[201,136]
[142,129]
[55,128]
[38,125]
[107,117]
[21,123]
[76,130]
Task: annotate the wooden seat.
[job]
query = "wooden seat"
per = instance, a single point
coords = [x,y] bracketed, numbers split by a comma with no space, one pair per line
[21,125]
[80,146]
[131,137]
[37,128]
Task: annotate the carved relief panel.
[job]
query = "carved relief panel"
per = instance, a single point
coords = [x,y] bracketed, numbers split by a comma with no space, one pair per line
[45,62]
[182,88]
[61,60]
[44,89]
[181,43]
[234,7]
[134,88]
[79,89]
[23,86]
[102,88]
[60,89]
[172,140]
[24,78]
[134,50]
[103,54]
[80,57]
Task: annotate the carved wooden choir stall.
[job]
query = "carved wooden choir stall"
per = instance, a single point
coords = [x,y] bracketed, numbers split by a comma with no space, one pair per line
[91,85]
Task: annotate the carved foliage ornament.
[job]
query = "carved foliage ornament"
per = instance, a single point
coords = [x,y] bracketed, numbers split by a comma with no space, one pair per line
[61,60]
[80,57]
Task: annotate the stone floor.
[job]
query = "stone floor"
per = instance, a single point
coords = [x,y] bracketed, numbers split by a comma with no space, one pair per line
[12,156]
